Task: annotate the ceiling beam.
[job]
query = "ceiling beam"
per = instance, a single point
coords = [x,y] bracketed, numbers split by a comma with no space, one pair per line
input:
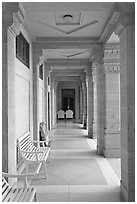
[67,39]
[65,62]
[63,74]
[66,43]
[66,78]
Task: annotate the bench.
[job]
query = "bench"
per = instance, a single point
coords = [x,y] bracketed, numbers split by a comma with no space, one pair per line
[13,194]
[31,153]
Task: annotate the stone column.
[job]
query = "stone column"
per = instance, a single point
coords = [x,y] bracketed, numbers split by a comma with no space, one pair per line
[84,102]
[81,104]
[125,28]
[46,75]
[99,63]
[94,107]
[55,103]
[112,131]
[10,29]
[89,101]
[60,100]
[52,100]
[77,103]
[36,63]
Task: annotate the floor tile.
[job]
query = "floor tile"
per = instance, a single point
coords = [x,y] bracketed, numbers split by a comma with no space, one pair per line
[76,172]
[53,197]
[94,197]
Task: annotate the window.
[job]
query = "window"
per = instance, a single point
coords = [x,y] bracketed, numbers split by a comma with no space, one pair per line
[22,49]
[41,71]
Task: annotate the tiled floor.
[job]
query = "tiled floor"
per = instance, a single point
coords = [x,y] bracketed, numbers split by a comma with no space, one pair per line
[76,173]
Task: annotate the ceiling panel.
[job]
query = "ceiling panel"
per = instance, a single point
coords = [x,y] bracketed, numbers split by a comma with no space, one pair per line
[47,19]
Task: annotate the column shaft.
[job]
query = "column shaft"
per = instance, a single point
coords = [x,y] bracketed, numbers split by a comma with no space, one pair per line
[127,89]
[112,130]
[84,105]
[89,104]
[100,99]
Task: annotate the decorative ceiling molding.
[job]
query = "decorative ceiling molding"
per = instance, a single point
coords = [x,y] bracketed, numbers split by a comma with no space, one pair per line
[67,63]
[111,61]
[26,24]
[71,31]
[68,18]
[112,68]
[68,60]
[66,44]
[114,46]
[63,53]
[109,25]
[68,39]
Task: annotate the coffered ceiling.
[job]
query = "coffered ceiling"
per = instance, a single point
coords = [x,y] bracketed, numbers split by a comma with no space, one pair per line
[66,21]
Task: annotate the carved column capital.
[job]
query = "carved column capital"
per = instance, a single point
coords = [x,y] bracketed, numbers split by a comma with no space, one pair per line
[88,71]
[126,12]
[112,69]
[37,55]
[98,54]
[47,69]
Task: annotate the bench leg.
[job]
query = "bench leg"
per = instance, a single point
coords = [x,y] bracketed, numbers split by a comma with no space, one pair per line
[45,169]
[26,167]
[35,198]
[49,158]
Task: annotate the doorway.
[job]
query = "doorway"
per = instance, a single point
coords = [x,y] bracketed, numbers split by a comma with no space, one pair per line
[68,100]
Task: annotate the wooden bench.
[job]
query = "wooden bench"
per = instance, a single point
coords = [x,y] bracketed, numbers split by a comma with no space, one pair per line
[13,194]
[31,153]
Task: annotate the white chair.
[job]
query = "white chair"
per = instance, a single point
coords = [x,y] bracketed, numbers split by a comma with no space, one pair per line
[61,114]
[69,114]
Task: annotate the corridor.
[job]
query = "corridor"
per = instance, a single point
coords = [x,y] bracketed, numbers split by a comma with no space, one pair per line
[76,173]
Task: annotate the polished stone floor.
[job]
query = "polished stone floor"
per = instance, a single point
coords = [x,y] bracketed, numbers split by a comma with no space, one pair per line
[76,173]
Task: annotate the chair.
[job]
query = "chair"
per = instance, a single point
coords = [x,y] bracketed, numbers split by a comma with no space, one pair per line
[61,114]
[69,114]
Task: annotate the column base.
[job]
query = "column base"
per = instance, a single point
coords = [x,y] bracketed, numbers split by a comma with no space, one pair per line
[112,144]
[112,153]
[99,150]
[127,196]
[90,134]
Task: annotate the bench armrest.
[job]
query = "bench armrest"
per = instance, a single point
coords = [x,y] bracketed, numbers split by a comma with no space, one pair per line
[35,141]
[19,176]
[33,152]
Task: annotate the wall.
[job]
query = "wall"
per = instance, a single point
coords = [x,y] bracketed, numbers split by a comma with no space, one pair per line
[23,94]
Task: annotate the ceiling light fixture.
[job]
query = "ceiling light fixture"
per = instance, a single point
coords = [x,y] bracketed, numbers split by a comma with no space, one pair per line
[68,18]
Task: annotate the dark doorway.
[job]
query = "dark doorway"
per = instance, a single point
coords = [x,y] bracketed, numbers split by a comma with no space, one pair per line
[68,99]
